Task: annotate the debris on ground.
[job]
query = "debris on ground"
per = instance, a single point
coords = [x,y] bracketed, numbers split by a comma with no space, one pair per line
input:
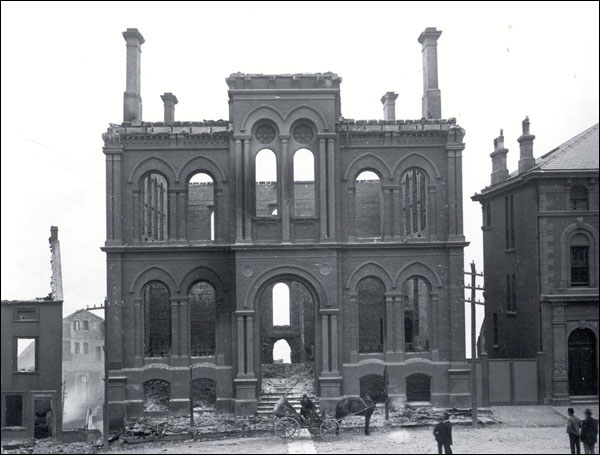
[285,378]
[49,446]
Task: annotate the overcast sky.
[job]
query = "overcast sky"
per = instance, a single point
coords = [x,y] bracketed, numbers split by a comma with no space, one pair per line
[63,77]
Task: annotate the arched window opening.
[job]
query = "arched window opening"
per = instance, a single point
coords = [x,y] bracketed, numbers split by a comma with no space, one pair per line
[417,330]
[155,212]
[200,213]
[282,352]
[418,388]
[157,394]
[580,260]
[304,183]
[368,205]
[204,394]
[157,320]
[281,304]
[583,363]
[414,189]
[373,386]
[579,198]
[203,318]
[371,326]
[265,172]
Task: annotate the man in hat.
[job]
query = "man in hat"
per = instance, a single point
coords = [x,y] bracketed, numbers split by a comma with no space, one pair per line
[573,426]
[589,432]
[443,434]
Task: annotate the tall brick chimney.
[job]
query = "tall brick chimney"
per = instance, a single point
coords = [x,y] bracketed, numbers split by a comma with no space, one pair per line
[432,98]
[132,101]
[389,105]
[499,169]
[526,161]
[56,280]
[169,101]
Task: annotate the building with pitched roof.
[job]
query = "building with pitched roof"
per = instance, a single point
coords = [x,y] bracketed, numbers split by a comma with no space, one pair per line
[540,233]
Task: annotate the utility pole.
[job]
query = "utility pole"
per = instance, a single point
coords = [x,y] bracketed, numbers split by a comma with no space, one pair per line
[473,301]
[105,405]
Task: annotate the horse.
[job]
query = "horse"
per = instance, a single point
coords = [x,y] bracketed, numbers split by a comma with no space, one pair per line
[364,406]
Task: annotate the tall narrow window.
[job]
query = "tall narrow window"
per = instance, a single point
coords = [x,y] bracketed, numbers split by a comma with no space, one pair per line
[155,212]
[265,172]
[281,304]
[76,325]
[157,320]
[509,222]
[579,198]
[414,188]
[26,355]
[200,214]
[86,325]
[304,183]
[203,318]
[511,293]
[368,205]
[371,298]
[417,330]
[13,410]
[495,329]
[580,260]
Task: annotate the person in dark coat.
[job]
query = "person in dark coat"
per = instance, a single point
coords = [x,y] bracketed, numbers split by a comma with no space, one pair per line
[443,434]
[308,409]
[589,432]
[573,426]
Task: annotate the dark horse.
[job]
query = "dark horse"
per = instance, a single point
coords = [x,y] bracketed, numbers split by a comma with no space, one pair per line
[364,406]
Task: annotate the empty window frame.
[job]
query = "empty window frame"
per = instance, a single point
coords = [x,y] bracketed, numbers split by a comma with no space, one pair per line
[417,330]
[304,183]
[76,325]
[414,188]
[203,319]
[281,304]
[13,410]
[578,198]
[511,293]
[509,222]
[201,202]
[157,320]
[580,260]
[265,177]
[155,208]
[26,353]
[371,315]
[86,324]
[98,353]
[368,205]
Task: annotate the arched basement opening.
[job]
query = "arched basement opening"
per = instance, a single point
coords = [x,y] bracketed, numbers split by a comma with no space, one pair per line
[157,394]
[204,394]
[418,388]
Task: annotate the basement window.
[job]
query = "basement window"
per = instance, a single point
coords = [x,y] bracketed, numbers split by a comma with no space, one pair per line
[26,355]
[13,410]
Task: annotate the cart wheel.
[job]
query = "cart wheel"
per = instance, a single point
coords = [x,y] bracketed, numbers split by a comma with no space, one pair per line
[286,427]
[330,429]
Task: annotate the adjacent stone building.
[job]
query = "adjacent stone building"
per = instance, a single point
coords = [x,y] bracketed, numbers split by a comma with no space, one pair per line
[83,365]
[31,361]
[540,234]
[361,221]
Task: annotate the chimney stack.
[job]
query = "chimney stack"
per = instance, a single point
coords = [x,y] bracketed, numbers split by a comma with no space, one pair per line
[527,161]
[389,105]
[56,279]
[169,101]
[499,170]
[432,98]
[132,102]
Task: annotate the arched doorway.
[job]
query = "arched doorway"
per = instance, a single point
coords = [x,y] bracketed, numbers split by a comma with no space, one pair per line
[287,327]
[583,363]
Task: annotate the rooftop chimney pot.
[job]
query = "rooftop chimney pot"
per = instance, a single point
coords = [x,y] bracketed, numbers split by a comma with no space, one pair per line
[526,161]
[432,98]
[132,98]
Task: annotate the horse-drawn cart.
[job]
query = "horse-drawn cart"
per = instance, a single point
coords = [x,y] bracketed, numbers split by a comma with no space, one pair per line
[288,423]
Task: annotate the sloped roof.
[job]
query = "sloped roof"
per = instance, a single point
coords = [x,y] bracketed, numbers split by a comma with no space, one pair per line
[89,313]
[579,152]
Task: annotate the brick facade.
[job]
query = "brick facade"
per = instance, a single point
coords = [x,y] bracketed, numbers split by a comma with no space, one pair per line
[357,231]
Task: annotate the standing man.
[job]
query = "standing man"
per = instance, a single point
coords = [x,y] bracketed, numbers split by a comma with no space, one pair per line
[573,426]
[443,434]
[589,432]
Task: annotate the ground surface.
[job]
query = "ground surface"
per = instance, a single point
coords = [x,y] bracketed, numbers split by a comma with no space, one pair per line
[524,429]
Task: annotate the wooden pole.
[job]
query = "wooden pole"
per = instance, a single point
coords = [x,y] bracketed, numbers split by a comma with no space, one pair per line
[473,346]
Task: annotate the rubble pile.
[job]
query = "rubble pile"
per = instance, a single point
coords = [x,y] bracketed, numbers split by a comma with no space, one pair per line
[288,379]
[156,396]
[49,446]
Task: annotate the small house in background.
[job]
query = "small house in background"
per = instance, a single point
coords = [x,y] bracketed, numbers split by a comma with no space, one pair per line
[31,361]
[83,367]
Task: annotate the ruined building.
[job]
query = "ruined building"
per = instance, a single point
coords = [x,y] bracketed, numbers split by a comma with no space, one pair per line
[352,228]
[31,360]
[83,366]
[542,221]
